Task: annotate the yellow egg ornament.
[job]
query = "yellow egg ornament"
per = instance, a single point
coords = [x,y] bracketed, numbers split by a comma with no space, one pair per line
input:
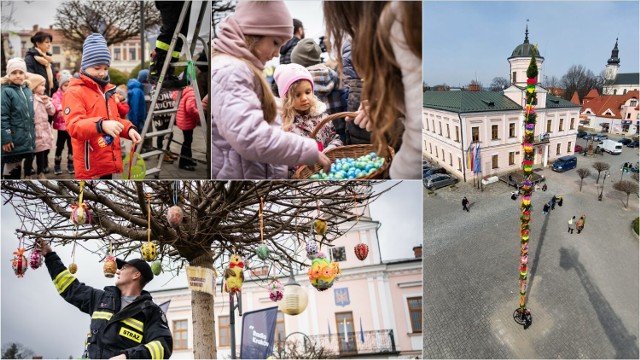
[320,226]
[73,268]
[149,252]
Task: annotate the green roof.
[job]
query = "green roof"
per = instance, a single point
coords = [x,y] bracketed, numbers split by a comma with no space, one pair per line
[554,102]
[627,79]
[468,101]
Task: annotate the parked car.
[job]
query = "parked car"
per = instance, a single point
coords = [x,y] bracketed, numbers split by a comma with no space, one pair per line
[633,144]
[610,146]
[601,136]
[565,163]
[588,136]
[578,148]
[581,134]
[625,141]
[431,171]
[437,181]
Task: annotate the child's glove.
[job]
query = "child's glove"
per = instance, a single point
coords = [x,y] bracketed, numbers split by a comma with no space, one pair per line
[320,146]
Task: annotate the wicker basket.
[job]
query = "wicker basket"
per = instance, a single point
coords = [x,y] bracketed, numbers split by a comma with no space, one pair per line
[341,152]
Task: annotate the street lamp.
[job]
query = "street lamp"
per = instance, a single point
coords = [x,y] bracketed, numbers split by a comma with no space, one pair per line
[606,173]
[294,300]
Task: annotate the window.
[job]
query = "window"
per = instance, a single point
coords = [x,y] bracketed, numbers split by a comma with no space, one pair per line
[450,159]
[569,147]
[180,334]
[440,128]
[442,154]
[338,253]
[494,162]
[494,132]
[433,125]
[430,149]
[133,52]
[415,313]
[281,334]
[561,125]
[633,103]
[549,125]
[572,123]
[117,56]
[615,91]
[457,135]
[427,124]
[436,151]
[512,130]
[558,149]
[459,164]
[628,115]
[475,133]
[55,50]
[512,158]
[514,77]
[448,132]
[224,333]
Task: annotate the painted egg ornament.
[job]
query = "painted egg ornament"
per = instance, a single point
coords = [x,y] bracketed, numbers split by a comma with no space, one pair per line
[320,226]
[110,267]
[19,263]
[175,215]
[35,259]
[361,250]
[262,251]
[322,273]
[312,249]
[148,250]
[80,215]
[156,267]
[276,291]
[73,268]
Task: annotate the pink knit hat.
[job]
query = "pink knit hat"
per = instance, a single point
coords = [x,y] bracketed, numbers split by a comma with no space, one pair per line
[286,75]
[35,80]
[265,18]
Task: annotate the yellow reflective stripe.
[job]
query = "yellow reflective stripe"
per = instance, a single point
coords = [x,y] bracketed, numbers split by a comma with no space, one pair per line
[101,315]
[130,334]
[175,54]
[162,45]
[63,280]
[136,324]
[155,349]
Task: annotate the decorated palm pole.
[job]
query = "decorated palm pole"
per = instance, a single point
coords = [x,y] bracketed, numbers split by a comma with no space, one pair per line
[522,315]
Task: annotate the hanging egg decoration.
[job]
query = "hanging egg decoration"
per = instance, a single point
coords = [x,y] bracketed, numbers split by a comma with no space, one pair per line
[80,214]
[19,262]
[322,273]
[361,250]
[110,266]
[234,274]
[276,290]
[175,215]
[73,268]
[35,259]
[156,267]
[320,226]
[312,249]
[262,251]
[149,252]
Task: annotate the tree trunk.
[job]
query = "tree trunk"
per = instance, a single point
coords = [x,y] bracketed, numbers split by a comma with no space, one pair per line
[203,320]
[627,206]
[581,179]
[598,179]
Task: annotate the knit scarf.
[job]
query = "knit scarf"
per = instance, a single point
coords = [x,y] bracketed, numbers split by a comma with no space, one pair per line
[231,41]
[45,60]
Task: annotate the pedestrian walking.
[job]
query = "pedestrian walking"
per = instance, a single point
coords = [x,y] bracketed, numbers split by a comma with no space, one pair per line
[544,187]
[572,224]
[560,201]
[465,204]
[580,223]
[554,199]
[125,322]
[545,209]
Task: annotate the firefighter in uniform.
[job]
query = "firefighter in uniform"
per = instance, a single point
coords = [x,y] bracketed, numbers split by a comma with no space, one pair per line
[125,322]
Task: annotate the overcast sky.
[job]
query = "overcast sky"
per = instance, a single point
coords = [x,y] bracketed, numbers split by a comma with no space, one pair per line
[465,40]
[32,312]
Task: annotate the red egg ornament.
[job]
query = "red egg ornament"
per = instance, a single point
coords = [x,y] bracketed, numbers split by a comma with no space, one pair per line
[175,215]
[19,263]
[361,250]
[80,214]
[35,259]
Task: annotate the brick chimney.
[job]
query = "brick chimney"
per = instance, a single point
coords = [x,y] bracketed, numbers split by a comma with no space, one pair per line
[474,87]
[417,251]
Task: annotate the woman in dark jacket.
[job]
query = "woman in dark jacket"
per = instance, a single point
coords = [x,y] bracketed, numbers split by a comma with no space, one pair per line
[40,61]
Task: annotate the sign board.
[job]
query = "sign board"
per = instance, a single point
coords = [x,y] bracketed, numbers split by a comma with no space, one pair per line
[258,333]
[341,296]
[201,279]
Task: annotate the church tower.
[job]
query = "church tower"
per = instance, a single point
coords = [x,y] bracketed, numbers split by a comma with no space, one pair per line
[519,62]
[613,64]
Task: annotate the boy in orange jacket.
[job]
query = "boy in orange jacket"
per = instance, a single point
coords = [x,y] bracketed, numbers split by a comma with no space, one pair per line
[91,115]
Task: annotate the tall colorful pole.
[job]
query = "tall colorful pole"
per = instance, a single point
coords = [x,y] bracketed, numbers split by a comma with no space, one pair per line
[522,315]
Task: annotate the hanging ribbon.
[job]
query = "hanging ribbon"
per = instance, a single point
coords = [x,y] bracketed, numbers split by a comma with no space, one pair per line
[131,153]
[355,208]
[260,213]
[176,190]
[148,218]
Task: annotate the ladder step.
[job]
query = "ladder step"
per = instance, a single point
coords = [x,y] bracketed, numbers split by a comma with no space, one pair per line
[152,153]
[152,171]
[165,111]
[184,63]
[157,133]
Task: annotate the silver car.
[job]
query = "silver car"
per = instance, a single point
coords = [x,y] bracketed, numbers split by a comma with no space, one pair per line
[437,181]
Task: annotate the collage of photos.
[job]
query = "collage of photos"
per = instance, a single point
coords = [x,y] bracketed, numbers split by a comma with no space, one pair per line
[313,179]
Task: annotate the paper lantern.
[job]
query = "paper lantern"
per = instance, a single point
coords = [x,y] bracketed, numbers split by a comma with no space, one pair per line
[262,251]
[35,259]
[73,268]
[148,250]
[175,215]
[19,262]
[276,290]
[361,250]
[110,267]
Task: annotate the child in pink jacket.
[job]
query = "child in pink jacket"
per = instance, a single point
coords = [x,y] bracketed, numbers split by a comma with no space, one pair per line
[43,107]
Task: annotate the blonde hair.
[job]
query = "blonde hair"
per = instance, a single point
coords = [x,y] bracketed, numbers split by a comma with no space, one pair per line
[373,57]
[288,111]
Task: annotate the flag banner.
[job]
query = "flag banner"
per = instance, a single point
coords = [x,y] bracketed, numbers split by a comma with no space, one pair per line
[258,333]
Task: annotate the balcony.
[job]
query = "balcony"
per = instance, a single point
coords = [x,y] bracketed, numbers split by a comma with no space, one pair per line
[541,139]
[357,344]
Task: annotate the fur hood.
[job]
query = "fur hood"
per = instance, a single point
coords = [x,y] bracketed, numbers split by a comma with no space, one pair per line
[5,81]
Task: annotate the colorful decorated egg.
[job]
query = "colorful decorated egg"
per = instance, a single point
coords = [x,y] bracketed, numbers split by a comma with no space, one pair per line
[175,215]
[312,249]
[80,215]
[19,263]
[73,268]
[361,250]
[276,290]
[263,252]
[320,226]
[35,259]
[110,267]
[148,250]
[322,273]
[156,267]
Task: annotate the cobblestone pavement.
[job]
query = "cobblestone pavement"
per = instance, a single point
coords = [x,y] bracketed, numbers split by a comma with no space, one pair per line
[169,171]
[583,289]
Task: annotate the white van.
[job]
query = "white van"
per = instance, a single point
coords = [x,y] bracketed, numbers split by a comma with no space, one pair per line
[610,146]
